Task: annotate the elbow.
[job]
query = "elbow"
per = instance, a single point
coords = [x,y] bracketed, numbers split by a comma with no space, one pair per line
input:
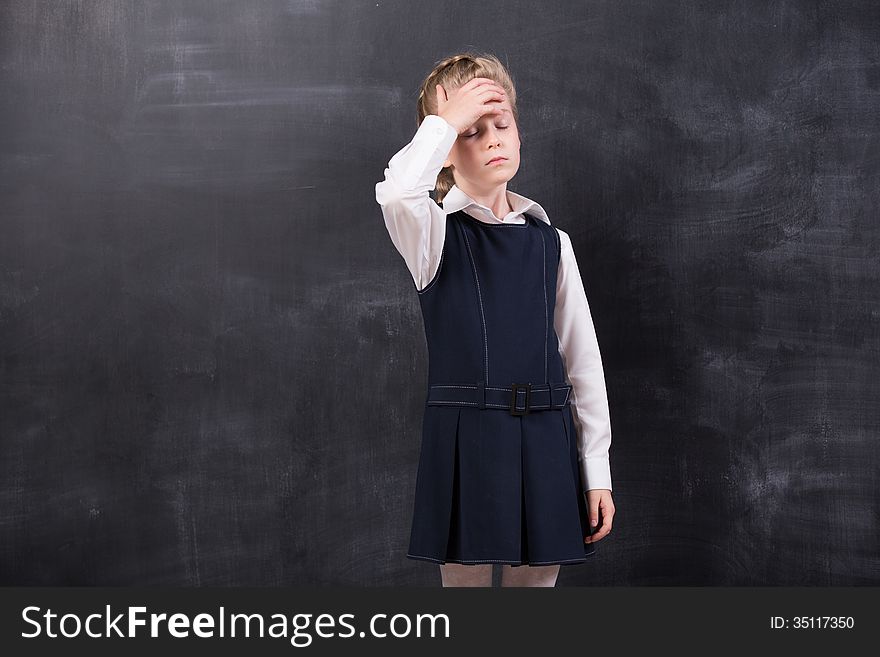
[386,194]
[389,195]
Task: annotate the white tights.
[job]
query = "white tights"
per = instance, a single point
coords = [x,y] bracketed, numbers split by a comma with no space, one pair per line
[456,574]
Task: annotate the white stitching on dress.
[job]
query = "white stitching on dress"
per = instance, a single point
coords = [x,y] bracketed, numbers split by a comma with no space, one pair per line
[517,562]
[445,402]
[508,388]
[482,314]
[546,310]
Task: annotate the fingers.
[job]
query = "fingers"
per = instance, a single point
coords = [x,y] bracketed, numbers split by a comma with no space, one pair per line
[594,517]
[473,85]
[603,531]
[490,98]
[465,105]
[492,94]
[603,522]
[492,90]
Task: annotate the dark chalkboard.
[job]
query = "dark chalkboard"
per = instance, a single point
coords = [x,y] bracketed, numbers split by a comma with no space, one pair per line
[212,361]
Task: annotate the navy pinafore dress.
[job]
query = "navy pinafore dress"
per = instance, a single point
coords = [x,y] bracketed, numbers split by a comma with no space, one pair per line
[498,478]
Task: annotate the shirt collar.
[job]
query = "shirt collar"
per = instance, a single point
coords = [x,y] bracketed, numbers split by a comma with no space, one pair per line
[456,200]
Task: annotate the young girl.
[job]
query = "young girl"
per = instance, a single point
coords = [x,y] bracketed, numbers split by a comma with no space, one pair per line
[514,465]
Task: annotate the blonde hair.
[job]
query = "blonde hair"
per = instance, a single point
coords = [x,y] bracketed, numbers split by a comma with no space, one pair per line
[452,72]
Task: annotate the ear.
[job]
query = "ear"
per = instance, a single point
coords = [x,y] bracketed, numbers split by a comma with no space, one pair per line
[447,164]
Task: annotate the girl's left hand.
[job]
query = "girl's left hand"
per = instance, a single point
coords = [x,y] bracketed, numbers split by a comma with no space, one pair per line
[600,506]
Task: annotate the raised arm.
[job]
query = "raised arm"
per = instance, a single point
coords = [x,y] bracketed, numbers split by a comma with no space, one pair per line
[580,354]
[416,224]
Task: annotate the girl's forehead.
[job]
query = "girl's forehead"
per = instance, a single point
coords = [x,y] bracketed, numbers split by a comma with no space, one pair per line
[504,108]
[507,114]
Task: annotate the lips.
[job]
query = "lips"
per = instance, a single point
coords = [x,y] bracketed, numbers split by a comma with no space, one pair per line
[497,159]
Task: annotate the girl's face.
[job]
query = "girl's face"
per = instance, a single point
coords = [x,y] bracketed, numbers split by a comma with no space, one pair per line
[491,137]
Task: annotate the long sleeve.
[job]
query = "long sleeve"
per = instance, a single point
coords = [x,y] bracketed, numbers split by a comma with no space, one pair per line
[580,354]
[416,224]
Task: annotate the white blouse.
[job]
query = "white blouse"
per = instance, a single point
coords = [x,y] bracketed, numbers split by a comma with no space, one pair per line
[417,226]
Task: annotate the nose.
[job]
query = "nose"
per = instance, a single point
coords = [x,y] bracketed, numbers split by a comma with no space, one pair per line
[494,136]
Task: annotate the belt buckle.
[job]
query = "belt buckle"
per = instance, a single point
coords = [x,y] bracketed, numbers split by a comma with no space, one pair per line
[520,386]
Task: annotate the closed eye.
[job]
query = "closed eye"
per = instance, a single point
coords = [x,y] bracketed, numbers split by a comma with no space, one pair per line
[500,127]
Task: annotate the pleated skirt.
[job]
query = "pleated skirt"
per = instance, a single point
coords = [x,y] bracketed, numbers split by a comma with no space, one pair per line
[492,487]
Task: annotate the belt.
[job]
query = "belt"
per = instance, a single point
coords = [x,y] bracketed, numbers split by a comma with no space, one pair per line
[518,398]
